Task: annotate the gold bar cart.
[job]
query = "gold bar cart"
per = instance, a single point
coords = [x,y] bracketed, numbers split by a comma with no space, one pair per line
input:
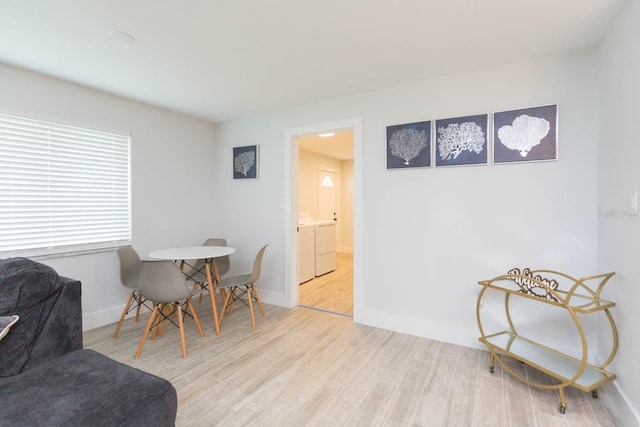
[580,299]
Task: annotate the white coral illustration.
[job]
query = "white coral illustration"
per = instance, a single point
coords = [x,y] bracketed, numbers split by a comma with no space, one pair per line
[524,133]
[456,138]
[406,144]
[244,161]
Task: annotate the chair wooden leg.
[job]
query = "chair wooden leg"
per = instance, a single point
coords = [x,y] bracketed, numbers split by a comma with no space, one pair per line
[157,329]
[124,314]
[253,318]
[154,313]
[255,293]
[223,294]
[235,296]
[173,316]
[167,308]
[139,303]
[195,317]
[183,343]
[224,306]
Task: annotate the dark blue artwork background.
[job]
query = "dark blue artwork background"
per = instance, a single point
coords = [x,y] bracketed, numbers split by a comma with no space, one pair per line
[465,157]
[423,159]
[546,150]
[252,173]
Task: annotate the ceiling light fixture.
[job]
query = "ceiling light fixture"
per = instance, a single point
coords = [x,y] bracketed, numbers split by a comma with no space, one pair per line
[123,37]
[326,135]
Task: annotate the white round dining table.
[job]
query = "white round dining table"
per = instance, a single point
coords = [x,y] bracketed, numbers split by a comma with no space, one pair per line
[192,252]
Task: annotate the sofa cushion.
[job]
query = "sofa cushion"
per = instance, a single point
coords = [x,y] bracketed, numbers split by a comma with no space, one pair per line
[86,388]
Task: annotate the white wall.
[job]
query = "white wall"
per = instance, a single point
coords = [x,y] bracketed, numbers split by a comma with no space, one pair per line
[172,176]
[430,234]
[309,165]
[345,241]
[619,232]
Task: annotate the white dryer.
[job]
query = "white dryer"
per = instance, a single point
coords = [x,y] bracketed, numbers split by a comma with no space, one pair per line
[316,247]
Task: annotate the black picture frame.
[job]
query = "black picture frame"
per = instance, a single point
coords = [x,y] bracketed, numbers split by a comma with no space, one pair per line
[409,145]
[526,135]
[462,141]
[245,162]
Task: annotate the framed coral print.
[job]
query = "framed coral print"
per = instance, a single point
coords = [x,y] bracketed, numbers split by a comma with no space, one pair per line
[528,134]
[462,141]
[245,162]
[409,145]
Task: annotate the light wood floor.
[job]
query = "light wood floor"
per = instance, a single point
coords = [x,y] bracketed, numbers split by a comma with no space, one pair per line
[305,367]
[332,291]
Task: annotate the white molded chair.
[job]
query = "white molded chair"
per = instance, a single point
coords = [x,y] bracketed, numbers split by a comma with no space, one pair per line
[163,283]
[130,277]
[237,286]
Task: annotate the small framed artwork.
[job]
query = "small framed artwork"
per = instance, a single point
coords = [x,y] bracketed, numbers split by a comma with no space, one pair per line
[462,141]
[409,145]
[528,134]
[245,162]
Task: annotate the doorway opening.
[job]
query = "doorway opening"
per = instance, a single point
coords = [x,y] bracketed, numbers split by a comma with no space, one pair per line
[325,224]
[322,204]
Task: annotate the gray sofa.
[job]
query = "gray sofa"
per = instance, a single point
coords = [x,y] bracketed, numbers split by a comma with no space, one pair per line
[47,379]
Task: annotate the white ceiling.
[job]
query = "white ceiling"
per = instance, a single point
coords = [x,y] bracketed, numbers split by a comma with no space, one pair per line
[338,146]
[223,59]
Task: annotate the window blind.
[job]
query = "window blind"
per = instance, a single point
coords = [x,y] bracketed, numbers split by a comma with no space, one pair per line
[62,189]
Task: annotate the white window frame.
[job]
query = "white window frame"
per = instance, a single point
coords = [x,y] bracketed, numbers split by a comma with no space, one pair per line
[63,190]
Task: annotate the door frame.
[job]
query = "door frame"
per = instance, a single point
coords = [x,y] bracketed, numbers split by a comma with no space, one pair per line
[290,205]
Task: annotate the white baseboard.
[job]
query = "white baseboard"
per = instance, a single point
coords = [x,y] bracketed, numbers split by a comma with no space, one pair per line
[621,407]
[273,298]
[101,318]
[112,315]
[420,328]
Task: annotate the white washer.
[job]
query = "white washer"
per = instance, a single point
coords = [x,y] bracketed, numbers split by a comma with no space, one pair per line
[325,247]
